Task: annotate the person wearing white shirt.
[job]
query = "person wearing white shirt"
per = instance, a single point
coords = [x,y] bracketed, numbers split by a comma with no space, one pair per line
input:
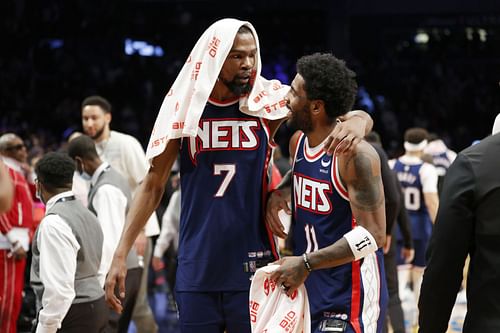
[108,198]
[67,250]
[126,155]
[169,238]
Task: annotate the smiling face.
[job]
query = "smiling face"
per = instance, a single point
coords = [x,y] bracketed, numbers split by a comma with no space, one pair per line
[240,62]
[299,105]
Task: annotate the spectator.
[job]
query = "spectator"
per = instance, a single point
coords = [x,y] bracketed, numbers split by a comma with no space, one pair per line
[109,198]
[466,224]
[66,255]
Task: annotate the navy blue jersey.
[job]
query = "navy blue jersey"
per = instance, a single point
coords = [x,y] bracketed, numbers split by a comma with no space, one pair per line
[223,236]
[442,162]
[354,292]
[409,177]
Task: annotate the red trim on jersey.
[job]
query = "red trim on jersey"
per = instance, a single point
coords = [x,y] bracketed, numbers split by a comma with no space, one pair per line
[356,293]
[270,235]
[336,181]
[319,153]
[223,103]
[301,135]
[267,130]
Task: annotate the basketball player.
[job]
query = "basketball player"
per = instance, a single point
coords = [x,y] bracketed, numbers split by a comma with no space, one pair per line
[337,206]
[442,156]
[223,238]
[419,181]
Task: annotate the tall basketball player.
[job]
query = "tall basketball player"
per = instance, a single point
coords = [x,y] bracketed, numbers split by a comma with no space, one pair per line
[337,207]
[223,237]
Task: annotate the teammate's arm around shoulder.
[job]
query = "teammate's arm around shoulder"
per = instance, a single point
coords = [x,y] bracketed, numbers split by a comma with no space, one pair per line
[361,174]
[280,198]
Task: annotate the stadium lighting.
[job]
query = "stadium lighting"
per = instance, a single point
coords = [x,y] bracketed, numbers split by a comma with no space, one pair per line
[421,37]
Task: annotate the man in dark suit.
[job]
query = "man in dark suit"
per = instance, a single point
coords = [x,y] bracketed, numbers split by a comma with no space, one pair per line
[468,223]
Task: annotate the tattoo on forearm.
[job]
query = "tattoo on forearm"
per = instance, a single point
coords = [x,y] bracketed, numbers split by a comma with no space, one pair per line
[368,196]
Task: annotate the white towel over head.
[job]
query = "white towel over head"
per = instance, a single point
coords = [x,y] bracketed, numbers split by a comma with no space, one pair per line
[183,105]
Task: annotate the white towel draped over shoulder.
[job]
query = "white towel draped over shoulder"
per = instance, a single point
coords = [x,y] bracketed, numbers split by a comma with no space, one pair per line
[183,105]
[272,311]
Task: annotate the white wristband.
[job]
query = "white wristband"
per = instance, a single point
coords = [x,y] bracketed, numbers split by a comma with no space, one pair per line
[361,242]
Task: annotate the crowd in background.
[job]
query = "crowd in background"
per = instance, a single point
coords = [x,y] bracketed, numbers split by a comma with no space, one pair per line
[58,53]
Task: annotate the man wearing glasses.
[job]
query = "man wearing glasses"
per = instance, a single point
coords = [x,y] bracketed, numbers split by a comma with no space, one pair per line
[15,232]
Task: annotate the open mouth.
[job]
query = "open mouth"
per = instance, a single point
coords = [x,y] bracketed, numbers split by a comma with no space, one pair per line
[243,78]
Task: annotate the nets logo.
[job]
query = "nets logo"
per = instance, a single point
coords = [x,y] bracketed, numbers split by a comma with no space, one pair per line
[225,134]
[312,194]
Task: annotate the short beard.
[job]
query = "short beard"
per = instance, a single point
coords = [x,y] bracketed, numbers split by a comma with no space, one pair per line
[98,134]
[237,89]
[304,124]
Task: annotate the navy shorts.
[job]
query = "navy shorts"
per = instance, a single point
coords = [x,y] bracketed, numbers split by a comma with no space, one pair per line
[214,312]
[420,246]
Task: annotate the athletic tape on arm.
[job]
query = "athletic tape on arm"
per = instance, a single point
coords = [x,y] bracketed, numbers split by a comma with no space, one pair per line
[361,242]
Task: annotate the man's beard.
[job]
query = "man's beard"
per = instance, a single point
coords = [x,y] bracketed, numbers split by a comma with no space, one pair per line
[98,134]
[236,88]
[302,122]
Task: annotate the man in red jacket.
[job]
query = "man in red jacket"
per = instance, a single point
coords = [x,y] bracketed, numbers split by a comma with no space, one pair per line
[15,234]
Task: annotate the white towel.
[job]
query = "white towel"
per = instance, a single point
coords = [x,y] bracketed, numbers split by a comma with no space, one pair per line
[183,105]
[272,311]
[496,125]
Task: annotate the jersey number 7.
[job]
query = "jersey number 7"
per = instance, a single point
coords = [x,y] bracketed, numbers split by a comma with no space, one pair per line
[231,171]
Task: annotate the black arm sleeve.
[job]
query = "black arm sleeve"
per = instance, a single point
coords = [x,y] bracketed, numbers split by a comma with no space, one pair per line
[449,245]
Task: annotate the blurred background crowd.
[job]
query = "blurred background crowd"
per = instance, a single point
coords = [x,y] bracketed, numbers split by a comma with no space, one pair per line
[426,64]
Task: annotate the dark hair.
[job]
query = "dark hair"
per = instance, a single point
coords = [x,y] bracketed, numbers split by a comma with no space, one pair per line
[82,146]
[329,79]
[55,171]
[99,101]
[433,137]
[244,30]
[373,137]
[416,135]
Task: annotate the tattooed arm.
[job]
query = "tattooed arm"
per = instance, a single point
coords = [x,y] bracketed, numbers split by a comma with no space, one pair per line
[360,172]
